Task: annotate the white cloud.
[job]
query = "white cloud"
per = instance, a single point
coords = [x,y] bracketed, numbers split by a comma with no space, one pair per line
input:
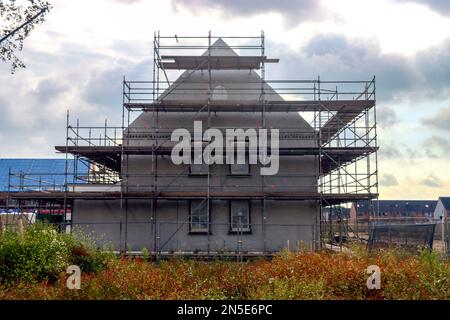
[400,27]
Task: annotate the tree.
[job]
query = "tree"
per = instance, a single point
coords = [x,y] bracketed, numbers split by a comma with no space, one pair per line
[17,19]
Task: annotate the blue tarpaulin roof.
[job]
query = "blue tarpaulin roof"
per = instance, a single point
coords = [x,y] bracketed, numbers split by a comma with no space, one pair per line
[38,171]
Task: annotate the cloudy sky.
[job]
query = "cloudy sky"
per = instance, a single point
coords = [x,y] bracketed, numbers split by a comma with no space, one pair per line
[77,59]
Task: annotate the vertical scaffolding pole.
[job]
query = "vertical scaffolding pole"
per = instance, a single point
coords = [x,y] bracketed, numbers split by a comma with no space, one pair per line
[154,189]
[376,213]
[321,179]
[66,172]
[8,198]
[209,124]
[263,123]
[124,176]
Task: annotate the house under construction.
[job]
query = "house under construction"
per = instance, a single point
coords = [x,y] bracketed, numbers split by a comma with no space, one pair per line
[136,197]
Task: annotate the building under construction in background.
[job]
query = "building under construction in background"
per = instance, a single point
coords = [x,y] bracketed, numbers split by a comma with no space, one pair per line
[125,187]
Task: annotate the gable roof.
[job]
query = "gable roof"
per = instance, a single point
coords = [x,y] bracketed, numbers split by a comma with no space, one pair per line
[445,202]
[220,48]
[230,85]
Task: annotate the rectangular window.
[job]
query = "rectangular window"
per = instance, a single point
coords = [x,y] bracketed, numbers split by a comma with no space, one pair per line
[240,216]
[199,216]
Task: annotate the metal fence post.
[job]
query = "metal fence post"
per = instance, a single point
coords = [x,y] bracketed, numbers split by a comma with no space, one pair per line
[158,239]
[314,237]
[120,236]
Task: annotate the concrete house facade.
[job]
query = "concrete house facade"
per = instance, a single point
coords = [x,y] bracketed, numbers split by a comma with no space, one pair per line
[185,225]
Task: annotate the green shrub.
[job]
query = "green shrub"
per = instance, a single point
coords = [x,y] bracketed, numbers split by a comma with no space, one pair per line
[39,254]
[145,254]
[83,251]
[42,253]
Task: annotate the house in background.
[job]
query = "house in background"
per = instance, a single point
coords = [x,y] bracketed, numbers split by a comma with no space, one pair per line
[394,208]
[335,213]
[442,210]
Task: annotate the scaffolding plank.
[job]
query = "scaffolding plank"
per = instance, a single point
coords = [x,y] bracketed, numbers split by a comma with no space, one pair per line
[110,156]
[175,195]
[213,62]
[107,154]
[342,106]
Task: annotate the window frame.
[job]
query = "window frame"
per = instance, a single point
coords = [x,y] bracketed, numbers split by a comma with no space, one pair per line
[230,217]
[208,215]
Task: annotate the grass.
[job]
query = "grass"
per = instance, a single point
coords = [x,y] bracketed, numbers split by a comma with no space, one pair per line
[302,275]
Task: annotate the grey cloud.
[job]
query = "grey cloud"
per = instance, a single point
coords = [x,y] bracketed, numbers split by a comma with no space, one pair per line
[388,180]
[88,83]
[4,107]
[294,11]
[430,153]
[432,181]
[424,76]
[440,6]
[441,120]
[437,146]
[411,153]
[389,152]
[433,66]
[104,87]
[398,151]
[70,56]
[386,117]
[48,89]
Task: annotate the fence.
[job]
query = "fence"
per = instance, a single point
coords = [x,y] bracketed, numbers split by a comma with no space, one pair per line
[446,237]
[409,236]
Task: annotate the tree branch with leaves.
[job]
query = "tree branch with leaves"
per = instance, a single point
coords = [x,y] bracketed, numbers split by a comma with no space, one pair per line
[17,19]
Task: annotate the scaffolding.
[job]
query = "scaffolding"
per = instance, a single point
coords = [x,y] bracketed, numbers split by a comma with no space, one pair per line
[342,115]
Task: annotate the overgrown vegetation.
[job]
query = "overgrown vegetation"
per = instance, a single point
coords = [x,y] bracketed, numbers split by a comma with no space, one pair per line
[302,275]
[40,253]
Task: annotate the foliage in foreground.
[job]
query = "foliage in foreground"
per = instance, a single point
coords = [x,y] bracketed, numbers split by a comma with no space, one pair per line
[40,253]
[304,275]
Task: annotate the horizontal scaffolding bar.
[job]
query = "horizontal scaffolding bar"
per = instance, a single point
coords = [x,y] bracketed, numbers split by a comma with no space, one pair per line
[331,198]
[111,155]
